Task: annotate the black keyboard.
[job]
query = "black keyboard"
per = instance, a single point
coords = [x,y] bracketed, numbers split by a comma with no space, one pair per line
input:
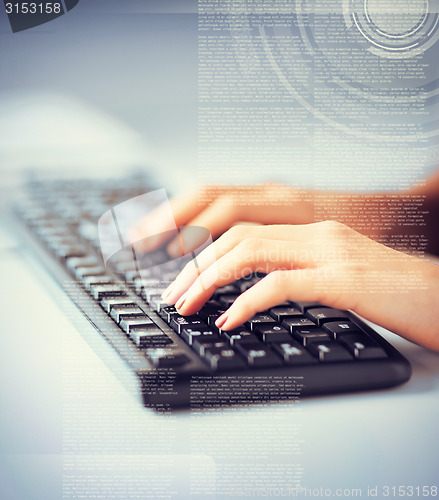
[292,350]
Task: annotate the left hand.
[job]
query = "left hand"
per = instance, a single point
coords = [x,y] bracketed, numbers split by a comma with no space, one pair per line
[326,262]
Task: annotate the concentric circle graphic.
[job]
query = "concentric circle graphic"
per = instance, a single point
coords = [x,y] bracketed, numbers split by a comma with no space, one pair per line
[395,29]
[373,64]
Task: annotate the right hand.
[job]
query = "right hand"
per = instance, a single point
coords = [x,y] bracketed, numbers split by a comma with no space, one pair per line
[219,207]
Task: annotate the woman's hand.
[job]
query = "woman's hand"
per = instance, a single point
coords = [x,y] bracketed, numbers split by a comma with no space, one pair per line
[217,208]
[326,262]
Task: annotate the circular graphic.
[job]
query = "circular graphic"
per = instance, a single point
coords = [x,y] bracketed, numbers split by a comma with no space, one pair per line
[393,29]
[360,66]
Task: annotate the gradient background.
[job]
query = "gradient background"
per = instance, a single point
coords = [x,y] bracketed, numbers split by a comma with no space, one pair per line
[110,85]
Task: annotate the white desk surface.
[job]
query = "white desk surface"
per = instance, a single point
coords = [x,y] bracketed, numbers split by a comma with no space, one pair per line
[69,427]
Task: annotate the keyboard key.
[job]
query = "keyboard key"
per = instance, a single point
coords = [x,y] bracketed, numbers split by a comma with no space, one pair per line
[259,356]
[156,303]
[304,306]
[280,313]
[139,323]
[167,313]
[101,291]
[227,289]
[166,358]
[66,251]
[149,337]
[321,315]
[305,335]
[81,272]
[152,293]
[88,281]
[202,345]
[179,322]
[297,322]
[118,313]
[259,319]
[361,346]
[227,300]
[338,328]
[329,351]
[235,330]
[189,334]
[235,337]
[74,263]
[223,358]
[272,333]
[293,354]
[130,276]
[210,313]
[109,302]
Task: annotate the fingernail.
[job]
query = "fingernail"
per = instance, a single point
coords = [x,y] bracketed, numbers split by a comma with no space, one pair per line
[174,249]
[180,302]
[221,320]
[168,291]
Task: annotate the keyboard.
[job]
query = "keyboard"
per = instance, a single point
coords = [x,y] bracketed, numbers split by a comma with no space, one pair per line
[290,351]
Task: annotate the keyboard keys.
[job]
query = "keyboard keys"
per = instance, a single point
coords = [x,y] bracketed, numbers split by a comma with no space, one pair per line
[152,293]
[259,356]
[189,334]
[293,354]
[149,337]
[321,315]
[304,306]
[297,322]
[66,251]
[75,262]
[306,336]
[139,323]
[88,281]
[338,328]
[83,271]
[280,313]
[259,319]
[101,291]
[272,333]
[223,358]
[361,346]
[228,299]
[166,358]
[167,313]
[179,322]
[109,302]
[228,289]
[202,345]
[156,303]
[210,313]
[235,337]
[118,313]
[329,351]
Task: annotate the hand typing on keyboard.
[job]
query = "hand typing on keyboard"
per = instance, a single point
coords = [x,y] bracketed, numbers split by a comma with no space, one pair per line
[218,207]
[326,262]
[331,349]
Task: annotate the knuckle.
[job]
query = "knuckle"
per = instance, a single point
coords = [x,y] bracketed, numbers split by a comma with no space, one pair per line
[251,250]
[252,243]
[234,234]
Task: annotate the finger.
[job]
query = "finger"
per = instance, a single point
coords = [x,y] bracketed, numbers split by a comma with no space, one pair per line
[234,256]
[251,255]
[216,218]
[316,232]
[271,290]
[184,208]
